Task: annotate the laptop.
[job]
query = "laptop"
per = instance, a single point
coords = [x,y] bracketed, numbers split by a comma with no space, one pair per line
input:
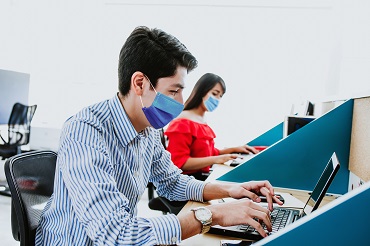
[282,217]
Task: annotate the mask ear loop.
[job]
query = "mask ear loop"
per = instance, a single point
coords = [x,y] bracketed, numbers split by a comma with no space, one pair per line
[152,87]
[150,83]
[141,102]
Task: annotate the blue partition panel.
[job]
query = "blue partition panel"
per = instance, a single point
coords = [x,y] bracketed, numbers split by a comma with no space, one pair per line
[344,221]
[270,137]
[298,160]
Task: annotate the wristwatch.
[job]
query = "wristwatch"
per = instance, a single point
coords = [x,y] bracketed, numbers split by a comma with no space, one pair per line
[204,216]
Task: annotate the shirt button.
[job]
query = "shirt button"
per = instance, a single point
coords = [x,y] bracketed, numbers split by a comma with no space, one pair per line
[174,240]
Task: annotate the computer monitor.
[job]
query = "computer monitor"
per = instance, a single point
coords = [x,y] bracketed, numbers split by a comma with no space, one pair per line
[293,123]
[302,108]
[14,88]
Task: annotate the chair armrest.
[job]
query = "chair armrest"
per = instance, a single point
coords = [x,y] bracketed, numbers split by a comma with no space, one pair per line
[2,139]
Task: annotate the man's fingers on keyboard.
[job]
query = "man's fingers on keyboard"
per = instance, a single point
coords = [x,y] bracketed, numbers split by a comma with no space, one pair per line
[258,227]
[263,217]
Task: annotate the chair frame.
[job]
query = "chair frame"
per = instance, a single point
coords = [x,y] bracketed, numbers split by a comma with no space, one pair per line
[17,138]
[161,203]
[20,221]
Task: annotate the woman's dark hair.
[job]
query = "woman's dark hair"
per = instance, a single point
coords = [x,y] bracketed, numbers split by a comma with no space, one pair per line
[153,52]
[201,88]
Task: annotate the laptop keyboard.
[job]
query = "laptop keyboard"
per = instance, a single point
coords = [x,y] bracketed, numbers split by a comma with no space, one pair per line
[279,218]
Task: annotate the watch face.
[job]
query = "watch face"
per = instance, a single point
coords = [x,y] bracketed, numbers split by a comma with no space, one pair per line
[203,214]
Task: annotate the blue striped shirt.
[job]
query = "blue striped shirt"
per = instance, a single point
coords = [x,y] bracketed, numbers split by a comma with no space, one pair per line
[103,168]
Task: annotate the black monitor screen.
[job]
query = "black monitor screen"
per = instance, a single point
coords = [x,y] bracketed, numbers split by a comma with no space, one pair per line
[322,185]
[294,123]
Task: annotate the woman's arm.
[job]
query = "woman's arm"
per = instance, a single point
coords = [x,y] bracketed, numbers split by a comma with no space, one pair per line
[196,163]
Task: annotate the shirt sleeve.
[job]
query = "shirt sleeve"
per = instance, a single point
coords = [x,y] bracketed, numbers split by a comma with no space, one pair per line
[216,152]
[98,204]
[169,181]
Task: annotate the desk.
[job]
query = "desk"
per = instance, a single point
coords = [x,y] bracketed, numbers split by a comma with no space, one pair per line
[291,196]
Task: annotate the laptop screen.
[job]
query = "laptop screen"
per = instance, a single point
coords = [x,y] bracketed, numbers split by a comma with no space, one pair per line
[322,185]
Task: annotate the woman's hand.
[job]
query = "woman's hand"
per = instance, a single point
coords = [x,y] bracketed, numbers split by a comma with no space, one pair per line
[221,159]
[246,149]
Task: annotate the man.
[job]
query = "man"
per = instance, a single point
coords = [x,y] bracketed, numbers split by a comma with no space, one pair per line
[110,151]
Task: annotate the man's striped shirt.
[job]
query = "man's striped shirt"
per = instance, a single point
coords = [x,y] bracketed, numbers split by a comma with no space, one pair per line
[103,168]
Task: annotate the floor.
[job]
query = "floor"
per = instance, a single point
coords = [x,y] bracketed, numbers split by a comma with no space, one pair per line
[5,229]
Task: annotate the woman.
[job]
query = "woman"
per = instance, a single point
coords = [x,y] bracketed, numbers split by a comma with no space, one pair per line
[191,140]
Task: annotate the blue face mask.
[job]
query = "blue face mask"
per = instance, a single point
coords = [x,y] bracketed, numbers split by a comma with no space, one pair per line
[211,103]
[162,111]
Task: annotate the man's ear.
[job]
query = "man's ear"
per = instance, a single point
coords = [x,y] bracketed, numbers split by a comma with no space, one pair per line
[137,82]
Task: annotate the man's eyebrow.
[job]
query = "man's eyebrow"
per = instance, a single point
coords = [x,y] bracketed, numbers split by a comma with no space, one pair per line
[178,85]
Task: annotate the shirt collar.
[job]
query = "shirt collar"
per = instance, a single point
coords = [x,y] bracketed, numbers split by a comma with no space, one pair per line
[123,127]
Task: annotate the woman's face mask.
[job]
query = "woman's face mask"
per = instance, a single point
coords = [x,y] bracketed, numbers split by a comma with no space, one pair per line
[211,103]
[162,111]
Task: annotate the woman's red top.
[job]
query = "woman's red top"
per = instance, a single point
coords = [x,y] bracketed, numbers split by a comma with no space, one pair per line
[187,139]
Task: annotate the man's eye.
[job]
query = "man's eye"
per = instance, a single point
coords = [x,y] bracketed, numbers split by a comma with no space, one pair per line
[173,93]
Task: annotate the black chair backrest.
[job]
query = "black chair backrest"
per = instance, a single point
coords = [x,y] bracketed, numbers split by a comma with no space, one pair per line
[30,177]
[164,139]
[20,123]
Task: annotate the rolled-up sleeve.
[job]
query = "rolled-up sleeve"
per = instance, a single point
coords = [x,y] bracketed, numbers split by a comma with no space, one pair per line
[166,229]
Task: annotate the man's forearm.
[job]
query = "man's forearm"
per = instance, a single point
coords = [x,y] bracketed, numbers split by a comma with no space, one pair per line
[189,225]
[215,191]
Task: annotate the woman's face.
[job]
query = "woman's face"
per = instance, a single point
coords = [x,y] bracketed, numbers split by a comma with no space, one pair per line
[216,91]
[209,104]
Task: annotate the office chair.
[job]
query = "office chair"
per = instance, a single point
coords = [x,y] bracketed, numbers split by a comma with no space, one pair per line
[19,126]
[30,177]
[162,203]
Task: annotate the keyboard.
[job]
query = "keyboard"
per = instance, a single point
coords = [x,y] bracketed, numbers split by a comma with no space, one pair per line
[279,218]
[241,159]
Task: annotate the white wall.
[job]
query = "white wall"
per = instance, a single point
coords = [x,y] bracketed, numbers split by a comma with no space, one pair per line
[270,53]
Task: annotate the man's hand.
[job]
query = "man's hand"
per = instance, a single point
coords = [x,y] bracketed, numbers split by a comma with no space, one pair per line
[242,211]
[253,190]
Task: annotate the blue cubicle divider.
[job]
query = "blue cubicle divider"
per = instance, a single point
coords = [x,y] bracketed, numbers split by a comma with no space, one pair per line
[270,137]
[344,221]
[298,160]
